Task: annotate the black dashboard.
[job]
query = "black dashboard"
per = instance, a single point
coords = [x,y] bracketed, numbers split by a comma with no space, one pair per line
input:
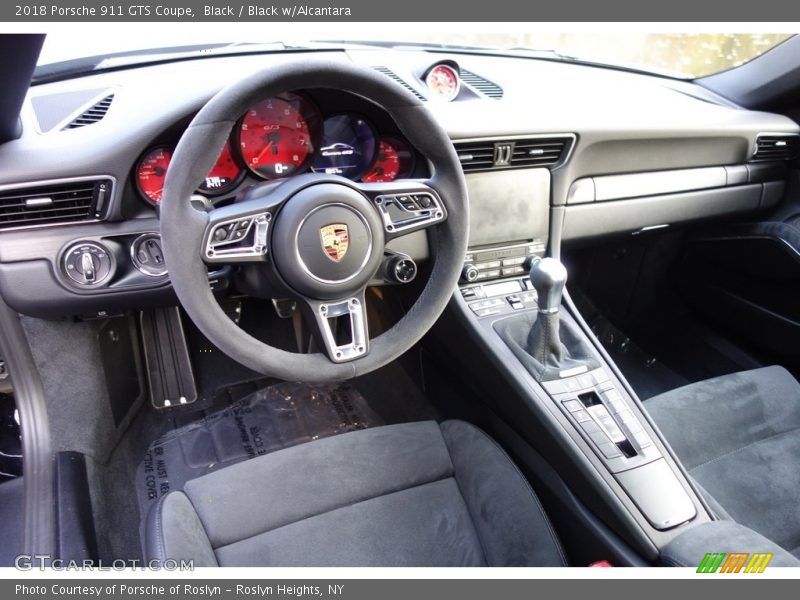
[553,154]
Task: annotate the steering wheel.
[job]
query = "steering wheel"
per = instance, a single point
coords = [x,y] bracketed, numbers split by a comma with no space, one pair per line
[321,237]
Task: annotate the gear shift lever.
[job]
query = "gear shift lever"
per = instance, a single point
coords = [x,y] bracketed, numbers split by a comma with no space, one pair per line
[552,346]
[548,277]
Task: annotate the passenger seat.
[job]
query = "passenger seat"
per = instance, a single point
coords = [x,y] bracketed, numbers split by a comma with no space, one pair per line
[739,438]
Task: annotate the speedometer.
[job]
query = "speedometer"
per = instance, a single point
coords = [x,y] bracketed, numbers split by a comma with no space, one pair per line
[277,136]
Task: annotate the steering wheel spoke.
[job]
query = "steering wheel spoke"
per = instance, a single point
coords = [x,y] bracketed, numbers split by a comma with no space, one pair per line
[405,206]
[340,326]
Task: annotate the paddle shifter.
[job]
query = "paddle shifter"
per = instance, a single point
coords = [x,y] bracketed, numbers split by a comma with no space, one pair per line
[548,277]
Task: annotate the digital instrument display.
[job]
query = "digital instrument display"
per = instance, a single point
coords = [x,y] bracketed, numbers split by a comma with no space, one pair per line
[348,146]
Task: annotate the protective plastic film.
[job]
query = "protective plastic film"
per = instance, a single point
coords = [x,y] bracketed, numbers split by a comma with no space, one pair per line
[272,418]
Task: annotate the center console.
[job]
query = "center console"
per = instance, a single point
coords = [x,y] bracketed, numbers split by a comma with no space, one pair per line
[532,343]
[589,399]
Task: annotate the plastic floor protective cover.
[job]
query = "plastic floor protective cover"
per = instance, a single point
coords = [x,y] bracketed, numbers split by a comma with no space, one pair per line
[272,418]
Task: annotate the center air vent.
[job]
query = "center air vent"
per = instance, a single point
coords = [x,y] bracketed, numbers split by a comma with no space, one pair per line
[51,203]
[490,155]
[91,115]
[777,147]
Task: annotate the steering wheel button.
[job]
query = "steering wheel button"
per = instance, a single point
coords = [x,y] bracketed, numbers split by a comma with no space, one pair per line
[424,200]
[243,224]
[221,233]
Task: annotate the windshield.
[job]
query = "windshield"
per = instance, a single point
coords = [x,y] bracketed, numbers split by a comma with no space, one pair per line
[687,55]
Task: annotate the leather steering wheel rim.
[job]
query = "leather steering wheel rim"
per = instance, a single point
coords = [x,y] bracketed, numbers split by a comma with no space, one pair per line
[182,226]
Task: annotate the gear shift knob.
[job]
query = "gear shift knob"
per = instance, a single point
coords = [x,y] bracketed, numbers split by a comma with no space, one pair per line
[548,277]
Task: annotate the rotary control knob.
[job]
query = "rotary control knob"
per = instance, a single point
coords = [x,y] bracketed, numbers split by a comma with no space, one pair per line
[87,264]
[469,274]
[401,269]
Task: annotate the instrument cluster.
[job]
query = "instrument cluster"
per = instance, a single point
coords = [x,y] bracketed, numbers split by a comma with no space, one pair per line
[285,135]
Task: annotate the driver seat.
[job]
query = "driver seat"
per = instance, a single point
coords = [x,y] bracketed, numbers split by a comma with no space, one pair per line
[415,494]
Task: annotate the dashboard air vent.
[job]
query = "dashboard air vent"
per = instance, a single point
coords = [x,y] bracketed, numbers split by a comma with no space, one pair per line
[490,155]
[777,147]
[392,75]
[91,115]
[46,204]
[484,86]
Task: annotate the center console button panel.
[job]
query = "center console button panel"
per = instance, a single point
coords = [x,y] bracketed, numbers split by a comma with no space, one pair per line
[597,409]
[499,298]
[504,261]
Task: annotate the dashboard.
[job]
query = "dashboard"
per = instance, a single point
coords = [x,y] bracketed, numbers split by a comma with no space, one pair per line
[553,154]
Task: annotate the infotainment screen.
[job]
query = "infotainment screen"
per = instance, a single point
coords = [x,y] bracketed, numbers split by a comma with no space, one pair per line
[508,206]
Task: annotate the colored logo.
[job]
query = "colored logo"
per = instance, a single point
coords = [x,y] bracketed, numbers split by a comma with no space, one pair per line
[734,562]
[335,241]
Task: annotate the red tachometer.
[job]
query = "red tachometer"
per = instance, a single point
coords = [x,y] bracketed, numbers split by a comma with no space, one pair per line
[151,173]
[224,174]
[394,160]
[278,135]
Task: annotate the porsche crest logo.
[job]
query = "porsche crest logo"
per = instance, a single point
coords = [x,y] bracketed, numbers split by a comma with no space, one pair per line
[335,240]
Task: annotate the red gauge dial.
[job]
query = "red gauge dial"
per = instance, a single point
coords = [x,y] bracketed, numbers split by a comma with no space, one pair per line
[278,135]
[443,81]
[224,175]
[394,160]
[151,173]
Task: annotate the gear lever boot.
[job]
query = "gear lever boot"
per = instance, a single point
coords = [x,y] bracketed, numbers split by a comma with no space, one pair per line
[548,343]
